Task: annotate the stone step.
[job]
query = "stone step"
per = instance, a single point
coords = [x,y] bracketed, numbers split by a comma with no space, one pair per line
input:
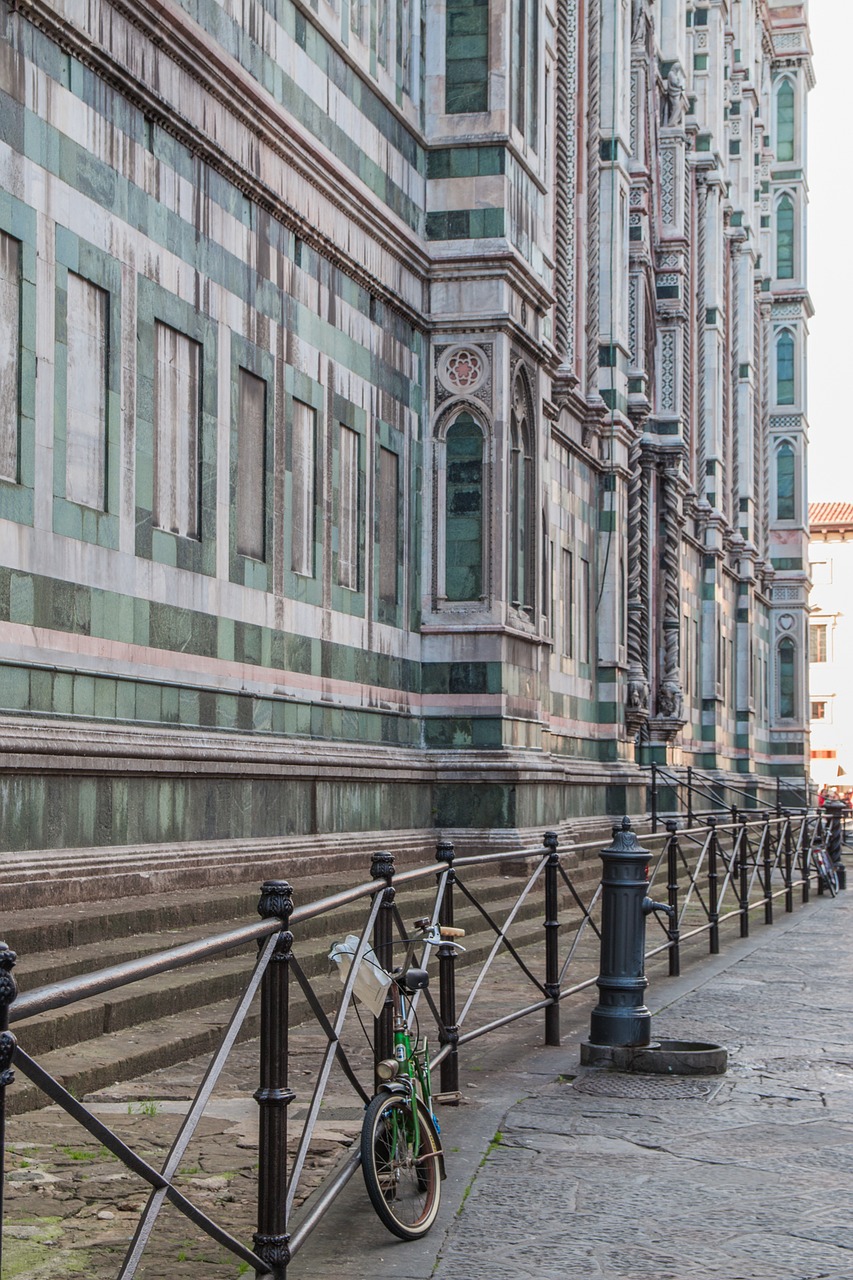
[30,880]
[86,924]
[209,980]
[105,1039]
[108,1041]
[78,938]
[48,878]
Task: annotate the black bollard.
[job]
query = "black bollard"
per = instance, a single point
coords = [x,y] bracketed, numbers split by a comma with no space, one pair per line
[621,1018]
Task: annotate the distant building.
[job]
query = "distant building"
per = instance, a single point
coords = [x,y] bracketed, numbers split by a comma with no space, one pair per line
[830,644]
[402,411]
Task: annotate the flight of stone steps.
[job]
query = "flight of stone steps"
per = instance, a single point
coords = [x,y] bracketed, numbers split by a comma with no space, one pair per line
[66,917]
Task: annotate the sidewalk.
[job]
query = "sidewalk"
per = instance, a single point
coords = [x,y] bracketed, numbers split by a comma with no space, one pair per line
[566,1174]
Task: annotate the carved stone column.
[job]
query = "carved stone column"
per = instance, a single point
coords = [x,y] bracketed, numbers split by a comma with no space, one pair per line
[648,464]
[765,311]
[637,699]
[670,699]
[593,116]
[734,373]
[701,412]
[566,177]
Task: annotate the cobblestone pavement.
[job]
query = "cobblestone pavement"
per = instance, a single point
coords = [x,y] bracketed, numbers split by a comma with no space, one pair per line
[553,1171]
[745,1177]
[561,1173]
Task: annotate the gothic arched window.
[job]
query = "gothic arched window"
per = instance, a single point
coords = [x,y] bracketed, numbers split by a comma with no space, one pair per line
[522,529]
[787,679]
[785,121]
[786,503]
[785,239]
[463,532]
[785,367]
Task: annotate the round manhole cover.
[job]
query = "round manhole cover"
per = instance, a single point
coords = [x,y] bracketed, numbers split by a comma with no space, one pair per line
[612,1084]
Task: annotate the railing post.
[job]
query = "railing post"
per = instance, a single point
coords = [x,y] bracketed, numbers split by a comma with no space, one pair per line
[713,891]
[552,928]
[743,867]
[672,859]
[382,868]
[689,797]
[654,798]
[778,796]
[8,992]
[444,852]
[789,865]
[272,1240]
[768,872]
[805,856]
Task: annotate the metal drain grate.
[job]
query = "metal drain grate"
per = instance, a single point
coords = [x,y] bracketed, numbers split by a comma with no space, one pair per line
[613,1084]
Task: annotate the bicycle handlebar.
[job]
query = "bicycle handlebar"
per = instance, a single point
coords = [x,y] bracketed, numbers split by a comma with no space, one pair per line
[436,935]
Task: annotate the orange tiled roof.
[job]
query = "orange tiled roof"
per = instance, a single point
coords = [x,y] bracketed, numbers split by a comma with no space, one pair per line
[833,514]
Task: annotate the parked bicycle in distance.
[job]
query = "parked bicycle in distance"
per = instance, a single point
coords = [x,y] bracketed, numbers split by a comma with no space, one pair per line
[401,1153]
[824,866]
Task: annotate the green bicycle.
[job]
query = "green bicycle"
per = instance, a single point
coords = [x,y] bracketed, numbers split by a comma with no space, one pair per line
[401,1153]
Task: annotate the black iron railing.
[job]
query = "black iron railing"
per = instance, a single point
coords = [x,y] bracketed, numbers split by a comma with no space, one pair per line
[721,872]
[696,794]
[711,875]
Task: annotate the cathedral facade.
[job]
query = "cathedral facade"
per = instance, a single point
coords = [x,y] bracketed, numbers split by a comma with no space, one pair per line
[402,411]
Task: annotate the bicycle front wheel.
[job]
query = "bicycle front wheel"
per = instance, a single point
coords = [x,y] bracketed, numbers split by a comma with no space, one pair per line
[403,1182]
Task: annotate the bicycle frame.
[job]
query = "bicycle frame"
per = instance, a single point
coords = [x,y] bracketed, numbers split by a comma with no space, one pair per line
[413,1065]
[414,1074]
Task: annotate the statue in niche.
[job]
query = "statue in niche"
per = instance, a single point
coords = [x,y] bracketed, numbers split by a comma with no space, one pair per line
[674,97]
[638,694]
[670,701]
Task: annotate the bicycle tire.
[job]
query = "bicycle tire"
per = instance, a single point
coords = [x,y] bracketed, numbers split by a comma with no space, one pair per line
[826,871]
[404,1186]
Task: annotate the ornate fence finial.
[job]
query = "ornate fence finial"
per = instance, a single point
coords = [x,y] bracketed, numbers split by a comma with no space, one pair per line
[382,865]
[444,852]
[276,902]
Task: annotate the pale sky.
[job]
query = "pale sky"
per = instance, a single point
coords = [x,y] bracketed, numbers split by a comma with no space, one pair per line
[830,263]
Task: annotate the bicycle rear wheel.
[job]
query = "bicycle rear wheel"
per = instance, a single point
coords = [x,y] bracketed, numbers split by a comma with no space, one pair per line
[403,1183]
